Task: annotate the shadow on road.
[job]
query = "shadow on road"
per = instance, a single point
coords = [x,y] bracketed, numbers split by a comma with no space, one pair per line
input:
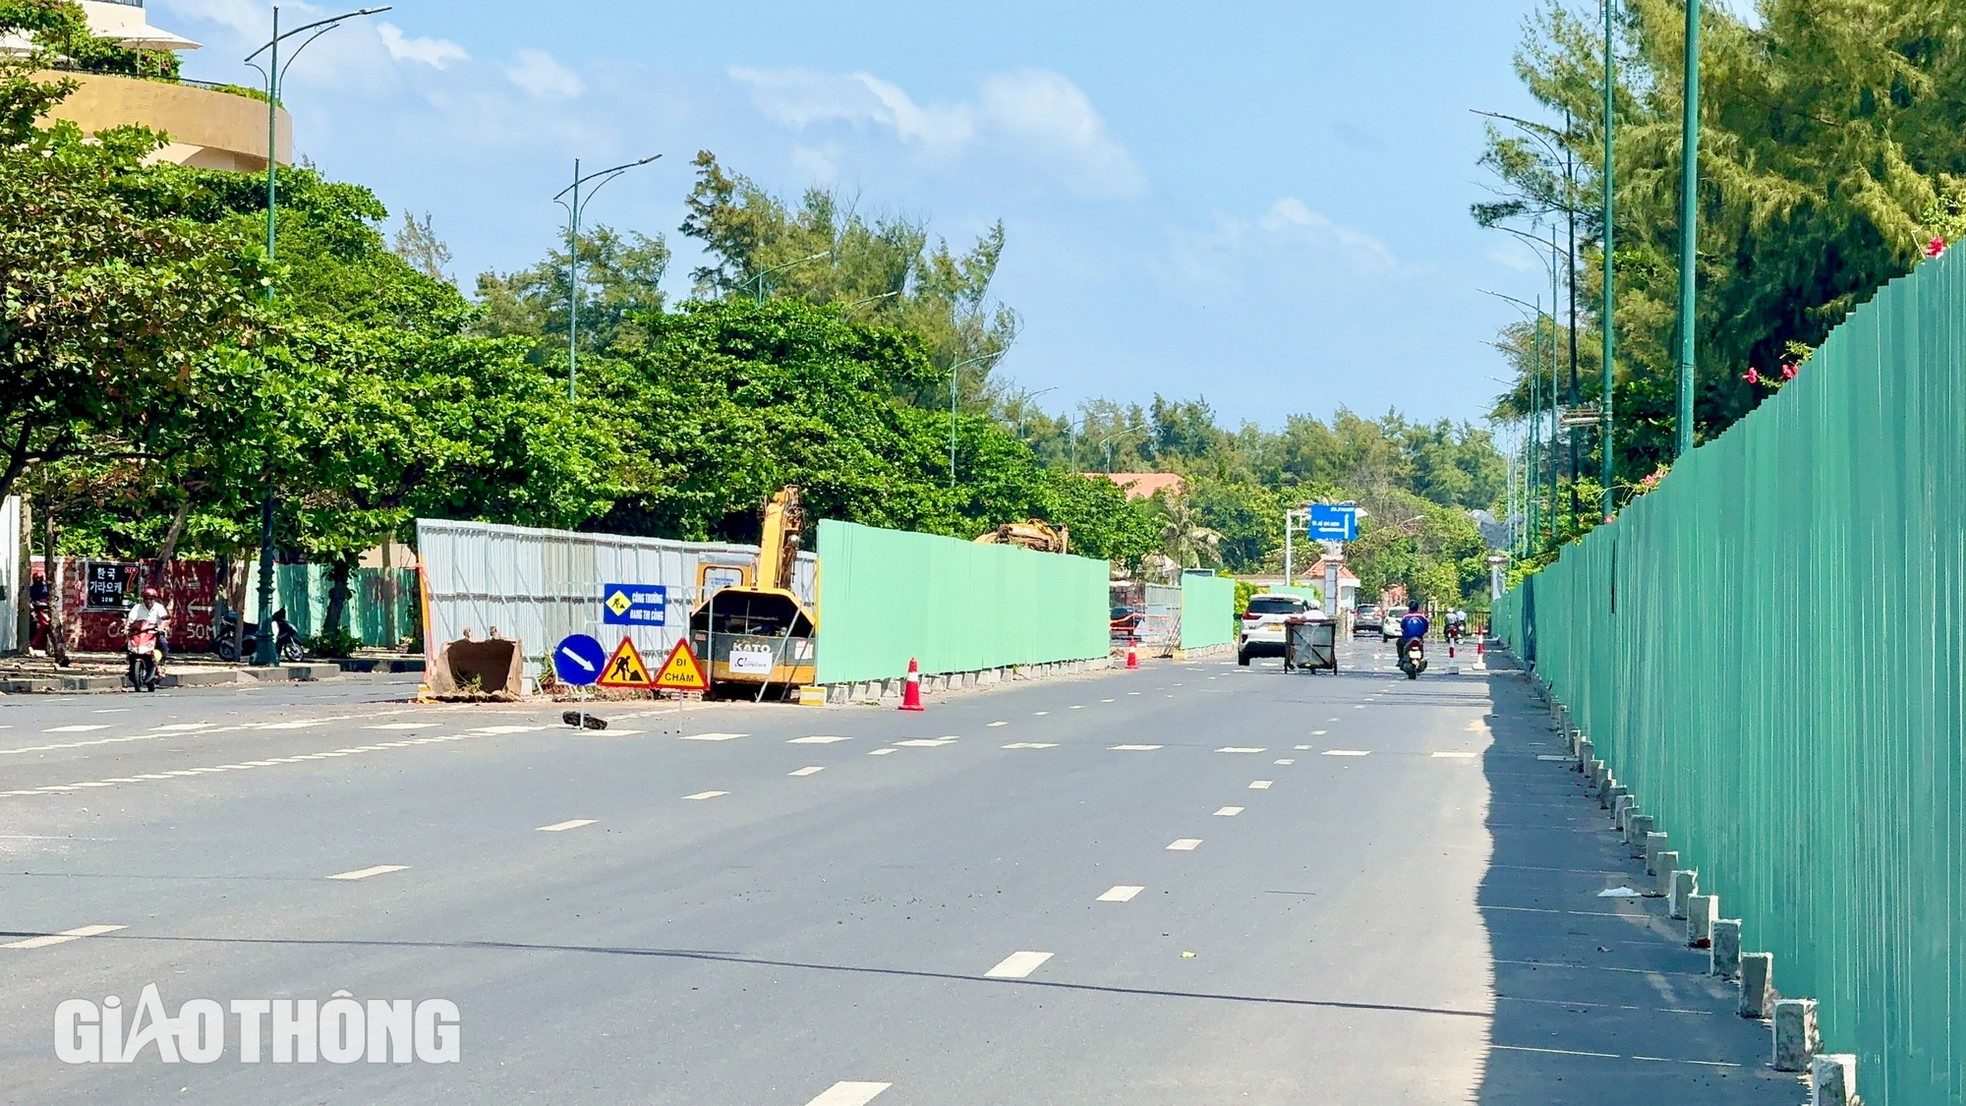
[1598,1000]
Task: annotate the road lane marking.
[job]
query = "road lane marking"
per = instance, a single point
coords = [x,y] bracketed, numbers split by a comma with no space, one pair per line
[183,727]
[1107,700]
[880,752]
[1039,713]
[85,728]
[994,725]
[1228,812]
[111,710]
[823,739]
[1133,693]
[1286,760]
[1017,965]
[425,724]
[849,1094]
[714,736]
[1121,893]
[1305,748]
[62,938]
[809,770]
[1240,749]
[1358,706]
[1076,707]
[378,870]
[1185,845]
[562,827]
[702,795]
[1332,719]
[1259,785]
[926,742]
[1454,756]
[1131,748]
[1347,753]
[291,725]
[1032,745]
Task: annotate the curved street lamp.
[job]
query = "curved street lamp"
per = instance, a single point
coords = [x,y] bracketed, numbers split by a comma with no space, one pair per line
[575,205]
[266,650]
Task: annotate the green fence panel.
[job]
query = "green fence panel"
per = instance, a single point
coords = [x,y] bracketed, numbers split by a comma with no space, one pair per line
[1767,651]
[886,596]
[303,591]
[1208,611]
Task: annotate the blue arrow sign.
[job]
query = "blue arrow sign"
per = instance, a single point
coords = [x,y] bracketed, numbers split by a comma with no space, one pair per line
[578,659]
[1334,522]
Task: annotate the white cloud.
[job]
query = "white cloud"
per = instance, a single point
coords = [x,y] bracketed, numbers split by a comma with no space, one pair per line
[1031,119]
[1291,221]
[542,75]
[437,53]
[1287,243]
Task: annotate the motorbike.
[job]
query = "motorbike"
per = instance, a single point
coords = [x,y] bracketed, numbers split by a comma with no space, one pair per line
[141,646]
[40,627]
[229,646]
[1413,658]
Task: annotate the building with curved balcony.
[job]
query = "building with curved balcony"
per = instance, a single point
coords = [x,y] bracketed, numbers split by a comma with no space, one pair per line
[209,126]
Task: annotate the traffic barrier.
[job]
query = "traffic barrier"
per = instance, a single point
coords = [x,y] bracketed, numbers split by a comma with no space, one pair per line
[911,695]
[1132,657]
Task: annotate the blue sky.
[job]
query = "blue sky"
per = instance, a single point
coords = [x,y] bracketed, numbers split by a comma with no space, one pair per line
[1261,204]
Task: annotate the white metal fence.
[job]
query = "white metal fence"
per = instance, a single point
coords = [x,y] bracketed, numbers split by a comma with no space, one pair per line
[538,586]
[10,568]
[1160,625]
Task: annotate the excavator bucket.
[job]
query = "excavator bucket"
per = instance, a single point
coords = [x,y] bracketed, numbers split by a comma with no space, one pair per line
[469,669]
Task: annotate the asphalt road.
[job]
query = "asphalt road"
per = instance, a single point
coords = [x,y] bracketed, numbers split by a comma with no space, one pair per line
[1189,884]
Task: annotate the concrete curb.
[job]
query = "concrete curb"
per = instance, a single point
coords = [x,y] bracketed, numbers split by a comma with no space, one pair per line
[1795,1035]
[56,684]
[874,691]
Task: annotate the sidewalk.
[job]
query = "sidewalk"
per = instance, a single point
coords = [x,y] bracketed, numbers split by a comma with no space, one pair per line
[99,672]
[1598,1000]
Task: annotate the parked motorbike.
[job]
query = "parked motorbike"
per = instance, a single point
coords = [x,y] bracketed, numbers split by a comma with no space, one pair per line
[140,644]
[1413,658]
[229,645]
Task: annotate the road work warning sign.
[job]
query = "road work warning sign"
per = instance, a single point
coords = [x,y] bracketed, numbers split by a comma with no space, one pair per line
[682,671]
[626,669]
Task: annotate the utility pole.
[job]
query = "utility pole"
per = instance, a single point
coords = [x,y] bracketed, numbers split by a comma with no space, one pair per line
[1689,226]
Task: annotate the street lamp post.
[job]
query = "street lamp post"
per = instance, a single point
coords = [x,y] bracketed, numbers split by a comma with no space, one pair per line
[1108,441]
[1610,236]
[266,649]
[1535,414]
[759,278]
[570,198]
[1689,225]
[955,378]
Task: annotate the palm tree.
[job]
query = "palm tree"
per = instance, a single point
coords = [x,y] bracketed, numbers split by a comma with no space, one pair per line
[1184,539]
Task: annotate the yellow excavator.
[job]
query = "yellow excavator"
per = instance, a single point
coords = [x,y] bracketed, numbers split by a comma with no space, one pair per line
[755,639]
[1035,534]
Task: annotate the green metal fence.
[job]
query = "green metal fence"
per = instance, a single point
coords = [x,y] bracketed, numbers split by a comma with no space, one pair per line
[886,596]
[1766,649]
[1208,611]
[303,591]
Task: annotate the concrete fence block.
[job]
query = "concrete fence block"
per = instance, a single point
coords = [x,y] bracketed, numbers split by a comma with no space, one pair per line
[1725,959]
[1621,808]
[1638,827]
[1700,910]
[1833,1080]
[1797,1039]
[1586,752]
[1685,884]
[1757,984]
[1666,863]
[1655,843]
[1607,796]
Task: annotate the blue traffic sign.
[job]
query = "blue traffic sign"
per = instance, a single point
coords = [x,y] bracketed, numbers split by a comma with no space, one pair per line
[635,605]
[1334,522]
[578,659]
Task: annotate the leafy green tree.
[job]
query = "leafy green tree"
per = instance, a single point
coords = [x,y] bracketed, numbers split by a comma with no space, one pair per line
[620,287]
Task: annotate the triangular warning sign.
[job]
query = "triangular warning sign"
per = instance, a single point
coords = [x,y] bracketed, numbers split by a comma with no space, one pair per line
[626,668]
[682,672]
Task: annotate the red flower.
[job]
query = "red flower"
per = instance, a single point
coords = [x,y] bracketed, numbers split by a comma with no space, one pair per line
[1788,372]
[1752,377]
[1935,247]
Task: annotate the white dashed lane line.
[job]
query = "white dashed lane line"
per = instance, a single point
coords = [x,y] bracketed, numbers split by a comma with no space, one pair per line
[86,728]
[822,739]
[1122,893]
[562,827]
[1454,756]
[994,725]
[808,770]
[849,1094]
[61,938]
[1228,812]
[366,873]
[1347,753]
[1286,761]
[926,742]
[881,752]
[1031,745]
[702,795]
[1259,785]
[244,766]
[1131,748]
[713,736]
[1018,965]
[1185,845]
[1306,748]
[1240,749]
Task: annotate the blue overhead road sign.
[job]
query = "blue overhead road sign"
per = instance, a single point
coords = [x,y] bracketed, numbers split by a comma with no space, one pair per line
[1334,522]
[577,660]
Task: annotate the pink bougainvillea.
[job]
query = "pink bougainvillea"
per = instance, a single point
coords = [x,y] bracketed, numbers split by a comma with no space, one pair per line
[1935,247]
[1788,372]
[1751,376]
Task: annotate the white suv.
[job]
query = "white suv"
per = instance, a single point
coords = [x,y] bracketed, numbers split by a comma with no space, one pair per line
[1263,630]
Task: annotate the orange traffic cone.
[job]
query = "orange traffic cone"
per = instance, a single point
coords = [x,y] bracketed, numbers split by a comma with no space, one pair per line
[1481,648]
[1132,658]
[911,694]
